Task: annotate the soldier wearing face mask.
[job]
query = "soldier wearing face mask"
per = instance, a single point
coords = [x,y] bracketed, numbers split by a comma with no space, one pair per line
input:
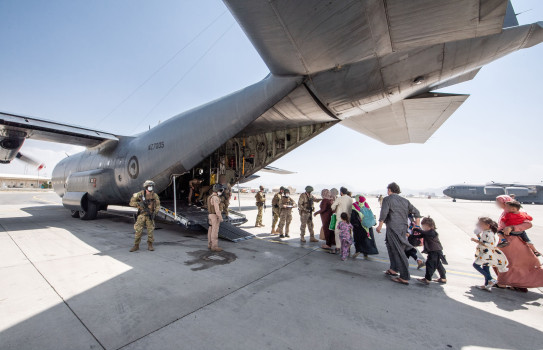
[148,204]
[285,217]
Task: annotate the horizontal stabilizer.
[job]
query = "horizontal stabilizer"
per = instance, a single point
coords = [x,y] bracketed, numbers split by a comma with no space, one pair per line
[412,120]
[307,36]
[270,169]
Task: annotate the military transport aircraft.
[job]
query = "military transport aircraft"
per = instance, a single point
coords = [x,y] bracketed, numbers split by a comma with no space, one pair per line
[524,193]
[370,65]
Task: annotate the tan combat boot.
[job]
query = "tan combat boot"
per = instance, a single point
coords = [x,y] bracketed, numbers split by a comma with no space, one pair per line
[150,246]
[302,239]
[216,249]
[313,239]
[134,248]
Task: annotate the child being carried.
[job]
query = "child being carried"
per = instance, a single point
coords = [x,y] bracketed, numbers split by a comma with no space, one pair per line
[513,218]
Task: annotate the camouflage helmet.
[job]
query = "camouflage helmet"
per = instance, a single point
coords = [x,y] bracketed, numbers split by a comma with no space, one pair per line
[148,183]
[308,189]
[286,191]
[218,188]
[282,188]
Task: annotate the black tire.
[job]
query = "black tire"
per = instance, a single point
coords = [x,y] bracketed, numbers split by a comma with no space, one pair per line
[74,213]
[90,212]
[454,200]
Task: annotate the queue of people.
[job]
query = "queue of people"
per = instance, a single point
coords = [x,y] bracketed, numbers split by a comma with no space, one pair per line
[503,247]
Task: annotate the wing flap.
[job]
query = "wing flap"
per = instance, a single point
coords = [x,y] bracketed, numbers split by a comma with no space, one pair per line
[413,120]
[44,130]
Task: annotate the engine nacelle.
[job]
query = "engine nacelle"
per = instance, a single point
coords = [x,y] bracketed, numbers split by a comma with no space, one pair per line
[494,191]
[10,144]
[518,191]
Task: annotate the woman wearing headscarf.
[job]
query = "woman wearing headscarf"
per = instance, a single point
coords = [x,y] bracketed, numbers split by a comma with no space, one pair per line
[334,193]
[325,212]
[524,267]
[364,241]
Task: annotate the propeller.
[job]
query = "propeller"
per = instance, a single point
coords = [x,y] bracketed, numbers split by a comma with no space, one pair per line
[30,161]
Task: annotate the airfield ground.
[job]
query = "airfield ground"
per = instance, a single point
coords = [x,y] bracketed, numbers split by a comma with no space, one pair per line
[71,284]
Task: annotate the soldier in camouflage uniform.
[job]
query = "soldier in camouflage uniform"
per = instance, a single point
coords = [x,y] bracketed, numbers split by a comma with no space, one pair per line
[148,205]
[260,205]
[306,208]
[285,217]
[276,210]
[226,195]
[215,218]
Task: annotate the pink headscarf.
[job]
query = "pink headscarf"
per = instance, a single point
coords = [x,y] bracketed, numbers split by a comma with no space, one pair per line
[362,199]
[358,205]
[504,198]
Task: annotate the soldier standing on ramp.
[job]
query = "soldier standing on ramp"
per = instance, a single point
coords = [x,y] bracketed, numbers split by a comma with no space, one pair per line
[285,217]
[276,210]
[306,208]
[260,204]
[148,205]
[215,218]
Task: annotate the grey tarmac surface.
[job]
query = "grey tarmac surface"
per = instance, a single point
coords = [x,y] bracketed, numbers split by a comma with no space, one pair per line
[71,284]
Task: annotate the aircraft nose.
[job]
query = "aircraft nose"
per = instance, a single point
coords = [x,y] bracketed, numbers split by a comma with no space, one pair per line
[446,191]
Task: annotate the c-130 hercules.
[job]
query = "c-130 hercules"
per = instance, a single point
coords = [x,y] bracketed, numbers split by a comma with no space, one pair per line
[368,64]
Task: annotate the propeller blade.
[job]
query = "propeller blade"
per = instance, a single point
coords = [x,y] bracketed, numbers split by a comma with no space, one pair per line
[30,161]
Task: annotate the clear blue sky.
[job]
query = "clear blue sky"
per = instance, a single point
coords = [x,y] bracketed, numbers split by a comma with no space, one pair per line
[75,61]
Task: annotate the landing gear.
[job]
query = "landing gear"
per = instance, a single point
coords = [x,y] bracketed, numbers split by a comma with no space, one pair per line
[74,213]
[454,200]
[89,211]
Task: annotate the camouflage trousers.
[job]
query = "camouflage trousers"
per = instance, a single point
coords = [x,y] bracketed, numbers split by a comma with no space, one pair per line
[259,215]
[284,218]
[306,220]
[276,212]
[143,221]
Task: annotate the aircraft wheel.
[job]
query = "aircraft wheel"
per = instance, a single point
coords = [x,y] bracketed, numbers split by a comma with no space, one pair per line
[90,213]
[74,213]
[454,200]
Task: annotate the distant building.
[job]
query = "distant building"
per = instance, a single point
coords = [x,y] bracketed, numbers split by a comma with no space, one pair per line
[23,181]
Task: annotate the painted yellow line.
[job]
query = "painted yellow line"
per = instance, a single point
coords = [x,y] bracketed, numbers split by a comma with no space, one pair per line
[44,200]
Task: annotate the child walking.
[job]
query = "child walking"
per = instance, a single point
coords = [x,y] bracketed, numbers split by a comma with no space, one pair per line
[434,249]
[345,229]
[513,218]
[486,253]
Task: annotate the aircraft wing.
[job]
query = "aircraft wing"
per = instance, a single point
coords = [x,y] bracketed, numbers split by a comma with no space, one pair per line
[308,36]
[412,120]
[21,127]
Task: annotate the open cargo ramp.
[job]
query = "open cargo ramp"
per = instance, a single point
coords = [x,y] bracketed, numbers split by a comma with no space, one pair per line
[195,218]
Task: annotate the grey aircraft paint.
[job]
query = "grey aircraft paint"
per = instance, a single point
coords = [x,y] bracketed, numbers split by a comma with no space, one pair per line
[371,65]
[524,193]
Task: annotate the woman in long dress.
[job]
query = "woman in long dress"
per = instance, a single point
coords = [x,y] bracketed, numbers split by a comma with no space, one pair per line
[394,214]
[325,212]
[525,270]
[364,241]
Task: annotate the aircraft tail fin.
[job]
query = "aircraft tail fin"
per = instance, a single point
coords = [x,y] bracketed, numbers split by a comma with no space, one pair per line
[510,19]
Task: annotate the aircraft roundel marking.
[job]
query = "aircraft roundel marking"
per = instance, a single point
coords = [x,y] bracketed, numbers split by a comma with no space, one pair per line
[133,167]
